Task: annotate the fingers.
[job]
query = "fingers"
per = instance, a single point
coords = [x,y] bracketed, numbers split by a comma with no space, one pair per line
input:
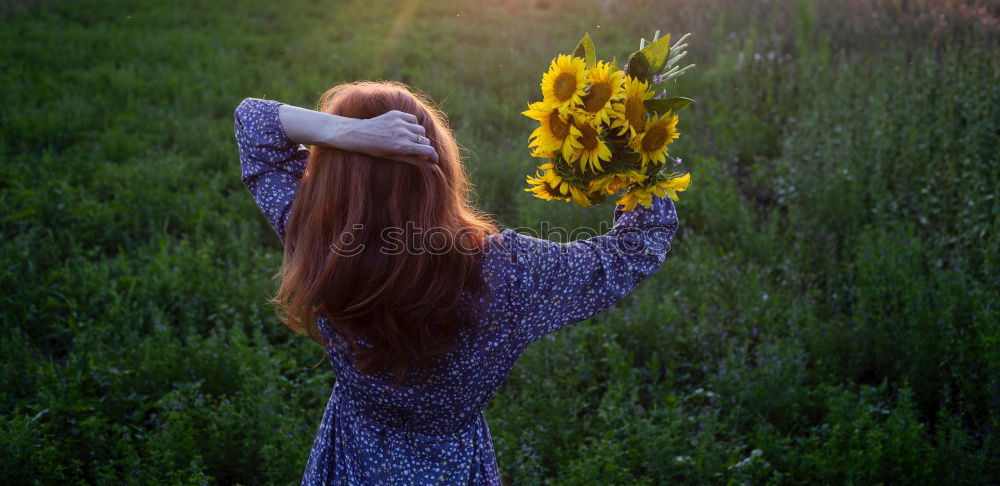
[409,121]
[420,146]
[410,142]
[415,133]
[407,117]
[419,139]
[416,128]
[425,151]
[413,126]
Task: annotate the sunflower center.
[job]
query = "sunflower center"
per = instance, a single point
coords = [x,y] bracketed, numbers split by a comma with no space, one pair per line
[654,139]
[565,86]
[635,113]
[560,129]
[589,138]
[599,95]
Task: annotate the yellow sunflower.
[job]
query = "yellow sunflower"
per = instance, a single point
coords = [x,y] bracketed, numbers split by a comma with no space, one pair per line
[562,85]
[630,114]
[611,183]
[554,133]
[542,190]
[652,143]
[549,185]
[605,89]
[588,147]
[665,186]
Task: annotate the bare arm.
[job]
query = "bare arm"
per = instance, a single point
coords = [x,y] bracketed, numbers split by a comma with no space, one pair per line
[395,135]
[270,135]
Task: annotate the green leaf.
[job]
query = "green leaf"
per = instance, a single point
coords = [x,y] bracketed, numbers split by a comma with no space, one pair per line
[668,104]
[656,53]
[585,49]
[638,66]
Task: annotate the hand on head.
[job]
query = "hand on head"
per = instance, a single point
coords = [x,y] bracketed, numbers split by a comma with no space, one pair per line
[394,135]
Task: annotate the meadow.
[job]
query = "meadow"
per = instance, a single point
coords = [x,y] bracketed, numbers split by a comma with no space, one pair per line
[828,313]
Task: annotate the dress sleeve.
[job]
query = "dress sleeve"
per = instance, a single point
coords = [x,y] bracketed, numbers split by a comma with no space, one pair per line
[272,164]
[550,284]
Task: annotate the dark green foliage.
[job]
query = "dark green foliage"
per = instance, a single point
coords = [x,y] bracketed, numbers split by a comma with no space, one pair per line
[828,313]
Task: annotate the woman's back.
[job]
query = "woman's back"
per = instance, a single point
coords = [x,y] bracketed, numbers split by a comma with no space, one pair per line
[533,288]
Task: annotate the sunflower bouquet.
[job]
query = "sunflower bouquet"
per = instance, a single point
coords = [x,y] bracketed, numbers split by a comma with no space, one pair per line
[604,129]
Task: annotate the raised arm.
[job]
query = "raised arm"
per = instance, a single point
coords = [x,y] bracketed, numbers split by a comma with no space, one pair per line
[272,164]
[394,135]
[269,135]
[550,284]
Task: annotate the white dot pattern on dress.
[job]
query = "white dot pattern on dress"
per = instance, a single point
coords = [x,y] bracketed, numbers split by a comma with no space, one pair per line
[435,432]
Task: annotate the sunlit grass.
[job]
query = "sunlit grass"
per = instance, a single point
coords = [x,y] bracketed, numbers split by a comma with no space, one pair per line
[827,314]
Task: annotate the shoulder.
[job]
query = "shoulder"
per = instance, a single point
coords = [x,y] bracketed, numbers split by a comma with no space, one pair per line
[511,259]
[511,247]
[505,250]
[499,258]
[496,247]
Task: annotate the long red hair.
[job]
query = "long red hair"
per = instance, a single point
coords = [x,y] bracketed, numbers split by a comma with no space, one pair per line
[382,248]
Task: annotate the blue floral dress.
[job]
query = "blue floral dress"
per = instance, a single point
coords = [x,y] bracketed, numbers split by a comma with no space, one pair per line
[435,432]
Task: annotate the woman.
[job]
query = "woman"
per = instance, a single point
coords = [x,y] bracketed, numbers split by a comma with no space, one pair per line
[422,306]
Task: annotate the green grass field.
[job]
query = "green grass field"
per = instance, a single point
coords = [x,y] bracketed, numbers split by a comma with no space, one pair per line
[828,314]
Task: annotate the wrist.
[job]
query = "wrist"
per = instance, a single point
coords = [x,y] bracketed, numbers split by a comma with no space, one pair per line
[337,131]
[315,128]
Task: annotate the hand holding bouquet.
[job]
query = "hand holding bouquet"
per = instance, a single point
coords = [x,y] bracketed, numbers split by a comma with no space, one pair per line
[603,129]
